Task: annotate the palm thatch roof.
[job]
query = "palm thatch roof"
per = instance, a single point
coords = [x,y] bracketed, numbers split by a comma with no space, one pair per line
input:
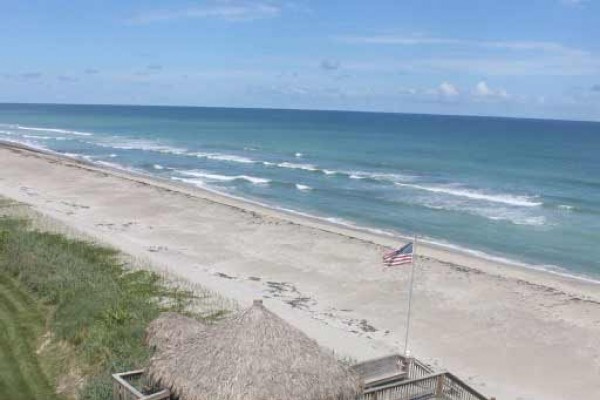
[171,329]
[253,356]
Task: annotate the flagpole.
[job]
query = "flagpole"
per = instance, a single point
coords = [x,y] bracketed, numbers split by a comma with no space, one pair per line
[410,293]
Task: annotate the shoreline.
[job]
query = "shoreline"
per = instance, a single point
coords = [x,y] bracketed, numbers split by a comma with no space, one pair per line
[501,327]
[374,235]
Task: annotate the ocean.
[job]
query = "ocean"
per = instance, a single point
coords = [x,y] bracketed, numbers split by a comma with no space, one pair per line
[522,190]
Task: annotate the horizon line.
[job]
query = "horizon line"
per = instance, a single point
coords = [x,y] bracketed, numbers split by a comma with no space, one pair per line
[305,109]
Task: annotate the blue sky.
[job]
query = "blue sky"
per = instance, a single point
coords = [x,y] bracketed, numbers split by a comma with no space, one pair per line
[533,58]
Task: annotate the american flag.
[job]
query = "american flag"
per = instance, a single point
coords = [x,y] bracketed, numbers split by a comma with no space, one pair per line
[403,255]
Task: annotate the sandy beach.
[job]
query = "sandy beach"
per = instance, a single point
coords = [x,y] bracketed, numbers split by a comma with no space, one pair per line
[511,332]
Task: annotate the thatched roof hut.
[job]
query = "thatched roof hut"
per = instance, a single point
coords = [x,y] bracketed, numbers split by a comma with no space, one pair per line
[171,329]
[253,356]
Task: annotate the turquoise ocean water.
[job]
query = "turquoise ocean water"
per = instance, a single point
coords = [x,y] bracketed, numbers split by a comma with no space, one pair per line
[525,190]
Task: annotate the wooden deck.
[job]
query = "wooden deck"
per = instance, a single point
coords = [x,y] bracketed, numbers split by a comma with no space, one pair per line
[399,378]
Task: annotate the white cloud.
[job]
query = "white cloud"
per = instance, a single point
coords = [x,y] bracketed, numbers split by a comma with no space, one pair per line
[448,90]
[520,45]
[232,11]
[483,91]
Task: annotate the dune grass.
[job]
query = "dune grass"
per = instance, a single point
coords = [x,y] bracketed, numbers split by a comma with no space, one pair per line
[83,297]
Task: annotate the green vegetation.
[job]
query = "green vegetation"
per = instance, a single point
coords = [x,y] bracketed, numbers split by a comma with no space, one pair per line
[81,296]
[21,323]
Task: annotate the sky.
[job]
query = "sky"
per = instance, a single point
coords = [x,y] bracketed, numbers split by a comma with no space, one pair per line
[516,58]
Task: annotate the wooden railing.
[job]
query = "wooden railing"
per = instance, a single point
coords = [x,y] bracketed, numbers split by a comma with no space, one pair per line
[412,389]
[440,386]
[417,369]
[454,388]
[124,390]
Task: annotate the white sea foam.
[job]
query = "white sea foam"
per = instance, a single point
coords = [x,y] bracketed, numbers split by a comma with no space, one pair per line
[223,178]
[78,156]
[195,182]
[303,187]
[306,167]
[378,176]
[513,200]
[111,165]
[520,220]
[494,212]
[158,166]
[27,143]
[225,157]
[39,137]
[299,155]
[144,145]
[552,269]
[55,130]
[566,207]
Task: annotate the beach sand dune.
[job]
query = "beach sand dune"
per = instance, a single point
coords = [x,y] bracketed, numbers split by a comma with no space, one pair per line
[511,332]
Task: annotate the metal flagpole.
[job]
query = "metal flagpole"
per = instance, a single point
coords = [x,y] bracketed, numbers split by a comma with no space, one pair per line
[410,293]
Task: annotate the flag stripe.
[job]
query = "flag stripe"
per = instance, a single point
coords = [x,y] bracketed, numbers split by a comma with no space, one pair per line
[403,255]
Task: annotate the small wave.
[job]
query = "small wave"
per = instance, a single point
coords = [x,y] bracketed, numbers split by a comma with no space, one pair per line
[55,130]
[41,137]
[111,165]
[143,145]
[522,201]
[224,178]
[552,269]
[27,143]
[517,216]
[306,167]
[531,221]
[158,166]
[299,155]
[195,182]
[566,207]
[378,176]
[303,187]
[225,157]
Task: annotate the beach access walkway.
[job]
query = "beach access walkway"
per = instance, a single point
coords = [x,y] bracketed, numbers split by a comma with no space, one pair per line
[396,377]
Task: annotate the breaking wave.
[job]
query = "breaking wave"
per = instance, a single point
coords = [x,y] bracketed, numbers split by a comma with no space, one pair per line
[224,157]
[223,178]
[513,200]
[303,187]
[54,130]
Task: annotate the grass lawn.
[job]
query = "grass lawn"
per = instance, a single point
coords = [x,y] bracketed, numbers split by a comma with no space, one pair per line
[82,299]
[22,323]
